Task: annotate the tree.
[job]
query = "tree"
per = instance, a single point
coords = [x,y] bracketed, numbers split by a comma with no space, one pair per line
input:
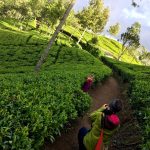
[72,20]
[144,56]
[52,12]
[134,4]
[14,8]
[114,29]
[40,10]
[45,54]
[130,38]
[94,17]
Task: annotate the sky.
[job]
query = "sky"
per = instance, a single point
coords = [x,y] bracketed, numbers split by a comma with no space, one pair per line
[122,12]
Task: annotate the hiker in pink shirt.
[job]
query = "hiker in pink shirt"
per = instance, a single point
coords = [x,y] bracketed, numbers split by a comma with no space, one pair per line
[88,83]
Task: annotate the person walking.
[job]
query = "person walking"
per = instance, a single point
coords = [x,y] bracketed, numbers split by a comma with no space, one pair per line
[105,123]
[88,83]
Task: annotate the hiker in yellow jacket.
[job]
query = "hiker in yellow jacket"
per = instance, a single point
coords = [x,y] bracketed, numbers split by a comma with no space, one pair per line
[103,118]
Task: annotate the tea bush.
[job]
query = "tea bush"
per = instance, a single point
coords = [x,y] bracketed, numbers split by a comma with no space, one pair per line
[34,107]
[139,92]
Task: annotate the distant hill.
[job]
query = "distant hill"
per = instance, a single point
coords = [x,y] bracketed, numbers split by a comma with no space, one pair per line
[29,35]
[108,47]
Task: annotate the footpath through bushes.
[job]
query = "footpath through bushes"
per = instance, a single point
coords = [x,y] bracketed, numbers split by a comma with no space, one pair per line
[139,93]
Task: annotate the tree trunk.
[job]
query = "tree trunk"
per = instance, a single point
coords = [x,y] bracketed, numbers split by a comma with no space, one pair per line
[122,52]
[82,35]
[45,54]
[70,37]
[37,24]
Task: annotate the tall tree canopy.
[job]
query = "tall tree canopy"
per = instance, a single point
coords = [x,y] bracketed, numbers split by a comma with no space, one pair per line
[62,22]
[95,16]
[53,11]
[130,38]
[16,9]
[41,10]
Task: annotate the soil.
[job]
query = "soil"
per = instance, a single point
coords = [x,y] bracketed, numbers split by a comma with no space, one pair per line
[128,135]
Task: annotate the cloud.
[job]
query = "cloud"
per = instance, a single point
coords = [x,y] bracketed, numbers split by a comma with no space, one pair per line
[141,14]
[124,13]
[148,24]
[133,14]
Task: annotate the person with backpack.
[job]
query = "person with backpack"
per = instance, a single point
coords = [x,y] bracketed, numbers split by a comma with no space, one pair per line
[104,123]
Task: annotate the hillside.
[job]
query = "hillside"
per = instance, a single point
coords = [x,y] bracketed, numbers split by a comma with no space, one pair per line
[106,46]
[38,106]
[35,107]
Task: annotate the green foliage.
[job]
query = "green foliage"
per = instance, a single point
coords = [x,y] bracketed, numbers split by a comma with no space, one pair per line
[72,20]
[33,108]
[92,49]
[81,101]
[95,16]
[15,9]
[130,38]
[105,45]
[8,37]
[94,40]
[114,29]
[139,92]
[42,10]
[37,107]
[53,11]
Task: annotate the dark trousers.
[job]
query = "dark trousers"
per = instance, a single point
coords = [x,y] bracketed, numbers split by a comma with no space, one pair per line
[82,132]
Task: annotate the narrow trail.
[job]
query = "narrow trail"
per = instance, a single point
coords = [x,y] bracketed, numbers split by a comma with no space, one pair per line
[101,94]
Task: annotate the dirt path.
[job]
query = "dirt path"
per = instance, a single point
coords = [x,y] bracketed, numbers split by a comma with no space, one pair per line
[101,94]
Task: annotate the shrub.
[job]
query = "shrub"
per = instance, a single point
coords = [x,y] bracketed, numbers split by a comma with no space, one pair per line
[139,92]
[94,40]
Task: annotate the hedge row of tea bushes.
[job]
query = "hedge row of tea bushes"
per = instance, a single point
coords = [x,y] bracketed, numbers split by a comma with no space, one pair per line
[139,92]
[34,107]
[102,44]
[21,59]
[20,50]
[8,37]
[8,31]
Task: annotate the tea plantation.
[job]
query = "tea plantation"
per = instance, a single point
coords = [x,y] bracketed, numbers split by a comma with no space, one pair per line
[37,106]
[105,45]
[139,93]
